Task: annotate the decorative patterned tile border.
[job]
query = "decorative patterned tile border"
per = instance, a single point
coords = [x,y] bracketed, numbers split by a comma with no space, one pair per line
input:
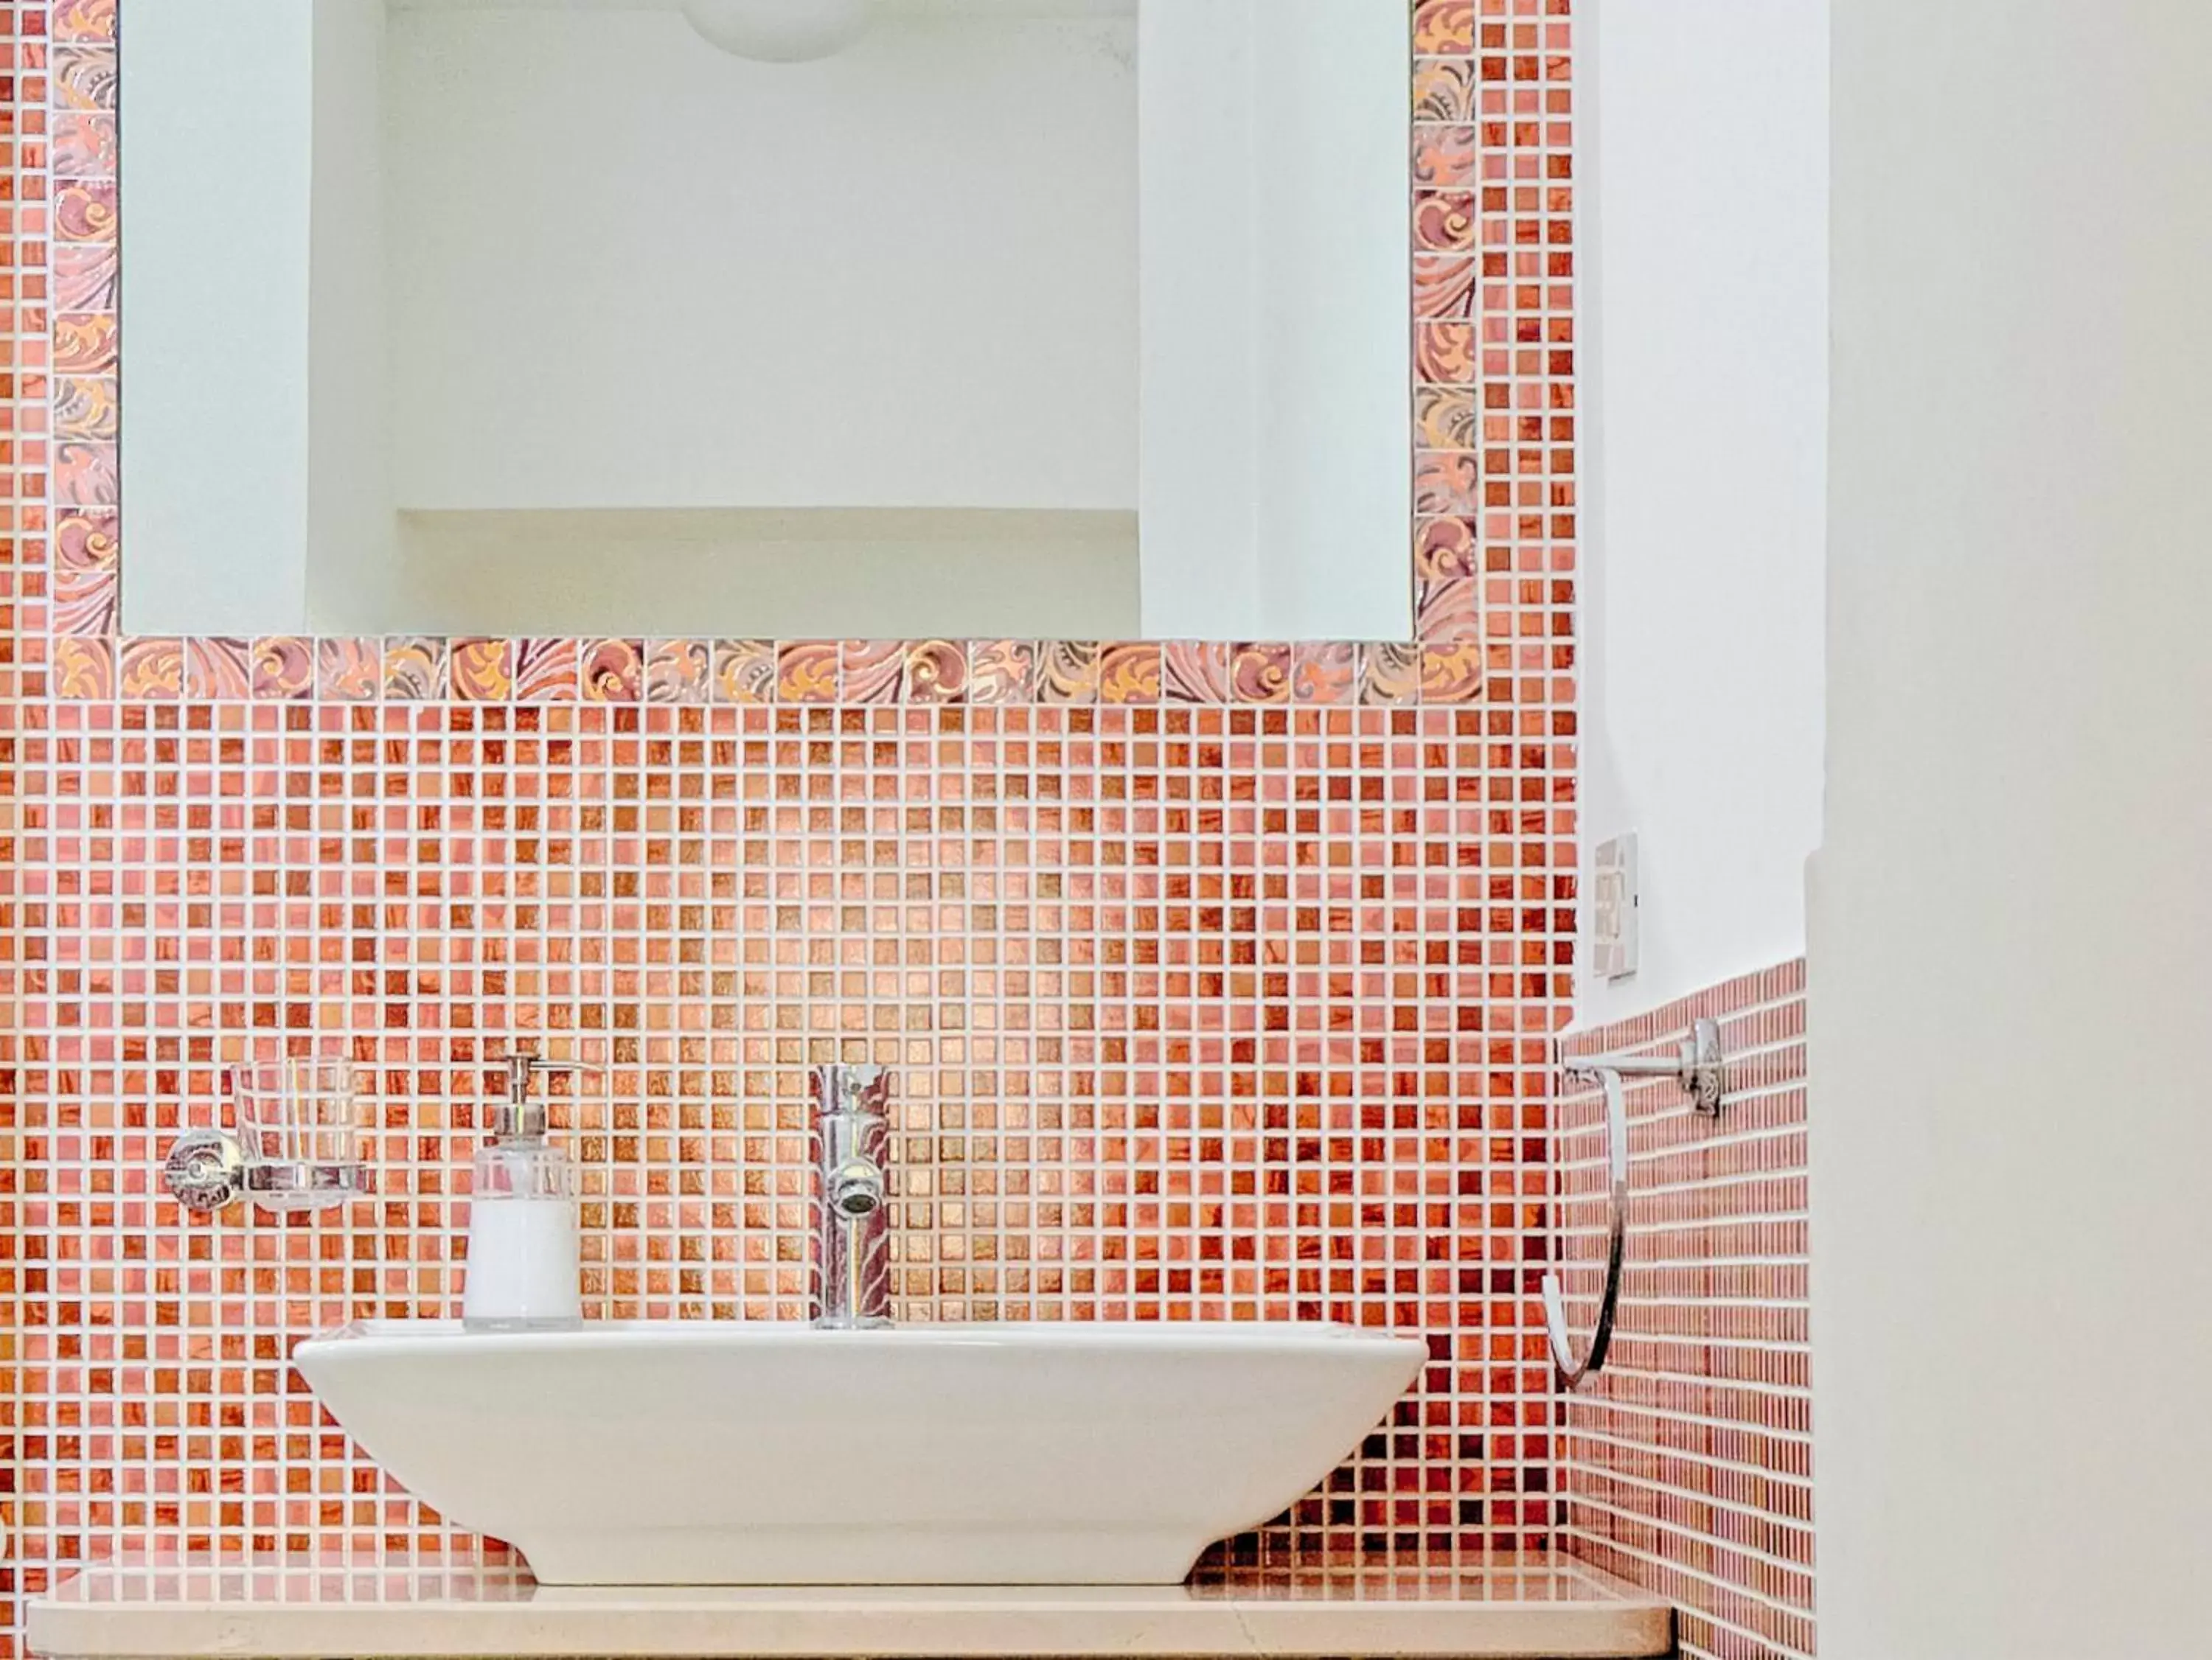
[542,671]
[1686,1465]
[1221,980]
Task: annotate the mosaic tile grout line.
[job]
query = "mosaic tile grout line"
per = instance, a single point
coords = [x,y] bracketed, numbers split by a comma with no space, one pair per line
[1687,1466]
[23,339]
[1195,1016]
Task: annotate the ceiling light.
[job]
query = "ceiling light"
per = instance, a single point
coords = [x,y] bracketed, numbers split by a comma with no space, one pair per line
[779,31]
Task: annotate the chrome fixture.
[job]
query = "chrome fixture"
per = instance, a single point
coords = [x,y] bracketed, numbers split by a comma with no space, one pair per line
[207,1171]
[1699,1067]
[297,1147]
[520,1113]
[1696,1066]
[1573,1371]
[853,1206]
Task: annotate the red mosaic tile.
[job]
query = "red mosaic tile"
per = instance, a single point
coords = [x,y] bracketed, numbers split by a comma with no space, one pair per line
[1191,960]
[1686,1465]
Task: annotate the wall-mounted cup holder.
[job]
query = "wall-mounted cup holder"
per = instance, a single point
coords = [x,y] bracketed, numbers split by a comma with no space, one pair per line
[297,1148]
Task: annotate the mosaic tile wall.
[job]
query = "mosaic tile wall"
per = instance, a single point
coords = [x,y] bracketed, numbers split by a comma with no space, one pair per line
[1220,981]
[1686,1465]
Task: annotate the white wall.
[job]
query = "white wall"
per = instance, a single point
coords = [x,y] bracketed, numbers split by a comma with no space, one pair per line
[2011,986]
[1277,498]
[214,314]
[1703,239]
[629,270]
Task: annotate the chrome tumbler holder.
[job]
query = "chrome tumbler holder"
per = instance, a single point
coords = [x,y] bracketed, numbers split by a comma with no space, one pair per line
[207,1171]
[297,1148]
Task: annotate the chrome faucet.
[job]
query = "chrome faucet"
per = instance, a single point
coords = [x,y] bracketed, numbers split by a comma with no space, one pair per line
[853,1232]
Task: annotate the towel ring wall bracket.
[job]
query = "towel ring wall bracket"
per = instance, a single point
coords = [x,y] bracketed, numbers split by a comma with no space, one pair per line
[1696,1065]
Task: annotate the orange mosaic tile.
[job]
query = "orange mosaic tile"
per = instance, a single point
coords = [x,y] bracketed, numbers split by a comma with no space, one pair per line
[1220,982]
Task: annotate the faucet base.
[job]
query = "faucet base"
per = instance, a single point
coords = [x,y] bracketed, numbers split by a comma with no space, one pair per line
[840,1322]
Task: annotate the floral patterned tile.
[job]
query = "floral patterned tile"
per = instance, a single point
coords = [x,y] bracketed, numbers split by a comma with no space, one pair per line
[1389,674]
[283,667]
[152,668]
[349,670]
[1453,674]
[546,669]
[1129,671]
[219,670]
[480,670]
[679,671]
[1067,671]
[414,668]
[807,671]
[1326,672]
[745,672]
[936,672]
[1001,670]
[613,671]
[1196,671]
[870,671]
[84,669]
[1260,672]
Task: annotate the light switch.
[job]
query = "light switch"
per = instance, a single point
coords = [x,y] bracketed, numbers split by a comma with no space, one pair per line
[1614,915]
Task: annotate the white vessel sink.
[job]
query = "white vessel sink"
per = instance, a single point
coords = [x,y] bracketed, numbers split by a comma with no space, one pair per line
[718,1453]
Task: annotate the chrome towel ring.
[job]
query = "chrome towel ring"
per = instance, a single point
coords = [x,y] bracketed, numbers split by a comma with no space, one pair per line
[1698,1068]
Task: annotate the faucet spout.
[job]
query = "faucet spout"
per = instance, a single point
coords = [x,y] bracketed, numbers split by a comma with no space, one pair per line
[851,1255]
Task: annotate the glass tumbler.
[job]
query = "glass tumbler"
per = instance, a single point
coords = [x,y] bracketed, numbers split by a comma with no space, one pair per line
[299,1124]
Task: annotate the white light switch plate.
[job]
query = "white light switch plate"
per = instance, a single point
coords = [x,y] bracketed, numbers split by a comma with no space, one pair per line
[1614,915]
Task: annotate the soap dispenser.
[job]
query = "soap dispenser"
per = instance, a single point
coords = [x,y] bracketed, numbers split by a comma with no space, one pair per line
[523,1269]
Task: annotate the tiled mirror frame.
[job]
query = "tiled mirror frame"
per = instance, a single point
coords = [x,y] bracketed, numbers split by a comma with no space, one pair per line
[1493,424]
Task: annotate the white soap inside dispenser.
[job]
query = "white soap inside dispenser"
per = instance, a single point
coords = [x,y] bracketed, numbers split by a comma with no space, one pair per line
[524,1269]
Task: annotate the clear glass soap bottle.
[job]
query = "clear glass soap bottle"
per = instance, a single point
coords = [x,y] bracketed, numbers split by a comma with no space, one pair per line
[524,1274]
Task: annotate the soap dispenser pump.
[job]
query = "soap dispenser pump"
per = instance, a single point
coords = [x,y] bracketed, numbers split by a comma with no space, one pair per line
[524,1274]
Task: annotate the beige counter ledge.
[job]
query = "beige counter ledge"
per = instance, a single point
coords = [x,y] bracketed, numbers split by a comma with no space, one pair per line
[1533,1608]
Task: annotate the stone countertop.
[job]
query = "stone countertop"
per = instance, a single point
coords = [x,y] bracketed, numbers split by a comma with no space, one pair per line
[290,1608]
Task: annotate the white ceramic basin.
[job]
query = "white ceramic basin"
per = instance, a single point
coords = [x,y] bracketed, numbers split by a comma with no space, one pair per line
[699,1453]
